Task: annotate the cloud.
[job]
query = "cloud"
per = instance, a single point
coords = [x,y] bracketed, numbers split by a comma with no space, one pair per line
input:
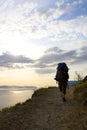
[37,24]
[60,3]
[50,60]
[45,71]
[27,7]
[82,57]
[74,29]
[6,4]
[84,50]
[70,9]
[10,61]
[63,22]
[53,50]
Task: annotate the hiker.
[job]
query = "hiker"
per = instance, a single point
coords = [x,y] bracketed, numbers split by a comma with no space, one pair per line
[61,78]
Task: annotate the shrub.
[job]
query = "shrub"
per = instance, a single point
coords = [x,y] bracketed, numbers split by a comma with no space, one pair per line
[80,92]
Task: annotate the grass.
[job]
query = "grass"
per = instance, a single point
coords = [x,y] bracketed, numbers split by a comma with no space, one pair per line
[80,92]
[42,91]
[37,93]
[9,109]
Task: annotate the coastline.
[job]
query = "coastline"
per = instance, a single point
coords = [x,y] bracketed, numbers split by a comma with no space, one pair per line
[45,111]
[13,97]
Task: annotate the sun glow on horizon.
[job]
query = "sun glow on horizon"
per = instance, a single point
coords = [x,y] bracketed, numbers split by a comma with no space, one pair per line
[17,92]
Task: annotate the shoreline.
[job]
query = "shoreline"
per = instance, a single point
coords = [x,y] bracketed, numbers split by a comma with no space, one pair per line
[45,111]
[19,98]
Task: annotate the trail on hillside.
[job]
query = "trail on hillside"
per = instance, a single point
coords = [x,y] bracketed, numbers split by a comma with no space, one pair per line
[46,112]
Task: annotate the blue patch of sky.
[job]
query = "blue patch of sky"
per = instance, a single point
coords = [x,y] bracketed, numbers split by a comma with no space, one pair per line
[81,36]
[45,5]
[79,10]
[6,6]
[41,3]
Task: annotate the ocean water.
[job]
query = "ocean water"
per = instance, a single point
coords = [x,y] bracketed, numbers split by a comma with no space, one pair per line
[11,95]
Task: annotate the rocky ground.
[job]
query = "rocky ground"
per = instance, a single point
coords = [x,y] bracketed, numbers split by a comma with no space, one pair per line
[46,111]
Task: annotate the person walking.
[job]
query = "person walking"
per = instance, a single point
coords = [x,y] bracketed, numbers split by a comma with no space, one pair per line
[61,78]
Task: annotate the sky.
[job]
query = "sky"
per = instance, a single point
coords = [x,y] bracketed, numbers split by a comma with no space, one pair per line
[37,35]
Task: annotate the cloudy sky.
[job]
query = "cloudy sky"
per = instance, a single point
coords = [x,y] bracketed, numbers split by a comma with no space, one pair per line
[36,35]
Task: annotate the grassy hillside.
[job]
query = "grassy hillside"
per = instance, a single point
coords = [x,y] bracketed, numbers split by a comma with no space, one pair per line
[46,111]
[80,93]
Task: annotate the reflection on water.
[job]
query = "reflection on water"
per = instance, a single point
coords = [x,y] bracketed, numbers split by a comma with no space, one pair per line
[10,97]
[16,92]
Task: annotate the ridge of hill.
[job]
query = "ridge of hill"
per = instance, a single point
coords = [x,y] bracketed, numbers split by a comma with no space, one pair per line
[46,111]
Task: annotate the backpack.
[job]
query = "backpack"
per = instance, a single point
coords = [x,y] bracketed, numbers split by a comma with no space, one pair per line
[62,72]
[62,67]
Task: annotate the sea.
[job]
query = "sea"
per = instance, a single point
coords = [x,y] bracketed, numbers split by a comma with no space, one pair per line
[11,95]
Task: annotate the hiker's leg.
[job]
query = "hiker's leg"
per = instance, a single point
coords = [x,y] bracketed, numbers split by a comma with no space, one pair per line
[64,90]
[61,89]
[64,87]
[60,86]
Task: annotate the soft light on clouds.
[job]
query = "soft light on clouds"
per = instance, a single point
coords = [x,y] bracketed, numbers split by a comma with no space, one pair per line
[39,34]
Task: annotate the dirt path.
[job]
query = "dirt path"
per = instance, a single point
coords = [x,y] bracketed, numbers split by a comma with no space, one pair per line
[46,112]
